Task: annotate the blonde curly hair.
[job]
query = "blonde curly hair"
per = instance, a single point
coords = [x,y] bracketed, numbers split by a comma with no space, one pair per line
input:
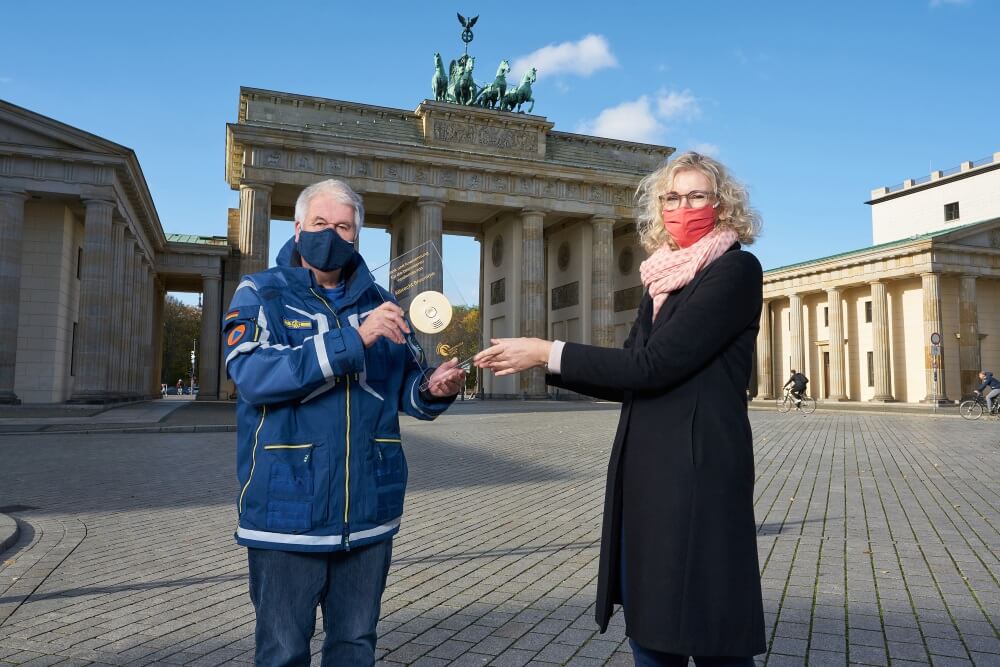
[733,211]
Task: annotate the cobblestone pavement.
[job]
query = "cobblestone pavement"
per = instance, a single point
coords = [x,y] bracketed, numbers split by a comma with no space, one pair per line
[879,544]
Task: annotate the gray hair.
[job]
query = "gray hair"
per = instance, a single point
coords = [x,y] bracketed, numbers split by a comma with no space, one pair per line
[340,192]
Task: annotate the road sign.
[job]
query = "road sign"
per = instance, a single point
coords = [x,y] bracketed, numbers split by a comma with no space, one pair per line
[935,350]
[935,338]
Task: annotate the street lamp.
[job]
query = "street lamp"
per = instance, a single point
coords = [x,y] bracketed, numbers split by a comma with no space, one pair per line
[194,346]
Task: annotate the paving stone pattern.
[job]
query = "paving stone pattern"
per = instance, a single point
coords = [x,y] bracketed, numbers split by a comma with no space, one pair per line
[879,544]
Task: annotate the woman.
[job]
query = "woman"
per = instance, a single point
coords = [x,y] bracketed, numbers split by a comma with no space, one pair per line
[678,548]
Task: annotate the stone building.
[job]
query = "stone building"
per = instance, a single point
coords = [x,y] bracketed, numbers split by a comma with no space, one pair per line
[84,267]
[552,210]
[85,263]
[860,324]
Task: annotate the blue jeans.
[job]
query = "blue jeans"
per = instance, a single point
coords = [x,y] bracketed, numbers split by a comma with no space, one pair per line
[287,586]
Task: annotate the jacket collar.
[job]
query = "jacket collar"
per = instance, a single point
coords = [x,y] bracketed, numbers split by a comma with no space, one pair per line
[356,274]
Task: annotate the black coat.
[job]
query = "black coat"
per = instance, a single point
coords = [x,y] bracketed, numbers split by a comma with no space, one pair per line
[680,479]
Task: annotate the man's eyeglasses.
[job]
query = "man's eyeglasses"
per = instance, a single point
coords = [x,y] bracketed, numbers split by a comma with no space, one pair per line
[695,199]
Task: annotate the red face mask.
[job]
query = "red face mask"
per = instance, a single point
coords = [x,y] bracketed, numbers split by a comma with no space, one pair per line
[687,226]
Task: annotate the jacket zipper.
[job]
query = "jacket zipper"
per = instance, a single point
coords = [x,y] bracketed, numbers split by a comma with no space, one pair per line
[253,457]
[347,456]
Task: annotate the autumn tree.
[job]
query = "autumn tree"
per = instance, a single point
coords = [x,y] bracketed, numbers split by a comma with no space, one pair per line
[181,327]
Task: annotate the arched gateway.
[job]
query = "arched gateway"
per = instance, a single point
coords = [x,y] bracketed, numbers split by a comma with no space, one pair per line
[552,210]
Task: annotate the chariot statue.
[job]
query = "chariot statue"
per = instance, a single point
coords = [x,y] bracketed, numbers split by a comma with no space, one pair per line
[458,86]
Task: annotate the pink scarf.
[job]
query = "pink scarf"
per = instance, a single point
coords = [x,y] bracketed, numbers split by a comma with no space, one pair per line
[667,270]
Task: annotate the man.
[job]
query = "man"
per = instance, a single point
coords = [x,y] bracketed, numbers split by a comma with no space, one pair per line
[323,361]
[798,382]
[987,379]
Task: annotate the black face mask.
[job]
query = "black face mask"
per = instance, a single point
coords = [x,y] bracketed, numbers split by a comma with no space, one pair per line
[325,250]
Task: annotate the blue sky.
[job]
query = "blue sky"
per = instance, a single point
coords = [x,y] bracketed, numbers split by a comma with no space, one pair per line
[811,105]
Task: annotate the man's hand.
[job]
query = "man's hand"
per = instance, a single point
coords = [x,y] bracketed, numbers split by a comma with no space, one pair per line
[447,379]
[385,321]
[513,355]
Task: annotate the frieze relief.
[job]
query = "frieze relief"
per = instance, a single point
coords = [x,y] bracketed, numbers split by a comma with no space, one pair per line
[363,168]
[305,162]
[272,158]
[501,138]
[335,165]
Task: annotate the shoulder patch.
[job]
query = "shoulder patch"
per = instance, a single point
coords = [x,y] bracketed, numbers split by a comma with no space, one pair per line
[232,315]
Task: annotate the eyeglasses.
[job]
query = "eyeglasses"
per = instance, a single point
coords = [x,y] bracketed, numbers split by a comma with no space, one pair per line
[695,199]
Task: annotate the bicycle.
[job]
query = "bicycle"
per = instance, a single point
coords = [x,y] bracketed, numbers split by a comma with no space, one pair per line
[806,405]
[974,408]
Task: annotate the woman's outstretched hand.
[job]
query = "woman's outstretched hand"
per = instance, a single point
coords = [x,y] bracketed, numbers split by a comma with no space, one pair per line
[513,355]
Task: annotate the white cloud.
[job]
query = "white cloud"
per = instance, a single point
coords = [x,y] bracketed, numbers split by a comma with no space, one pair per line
[644,119]
[677,105]
[631,121]
[706,148]
[583,57]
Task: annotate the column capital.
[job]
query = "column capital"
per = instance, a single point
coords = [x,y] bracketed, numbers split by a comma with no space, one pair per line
[99,196]
[211,276]
[256,185]
[533,210]
[13,194]
[598,219]
[431,201]
[830,291]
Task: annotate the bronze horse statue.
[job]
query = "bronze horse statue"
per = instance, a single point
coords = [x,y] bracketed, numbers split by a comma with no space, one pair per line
[439,82]
[489,96]
[521,94]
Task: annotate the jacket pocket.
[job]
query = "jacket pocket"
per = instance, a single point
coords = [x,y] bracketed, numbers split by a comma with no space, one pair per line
[390,477]
[297,488]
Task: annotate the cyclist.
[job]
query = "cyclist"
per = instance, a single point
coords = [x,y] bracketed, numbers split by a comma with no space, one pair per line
[994,388]
[798,383]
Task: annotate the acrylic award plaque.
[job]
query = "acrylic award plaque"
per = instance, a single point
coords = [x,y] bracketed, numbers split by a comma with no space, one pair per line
[433,305]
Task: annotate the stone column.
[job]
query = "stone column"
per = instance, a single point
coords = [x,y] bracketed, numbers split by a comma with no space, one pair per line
[880,344]
[428,228]
[970,361]
[159,295]
[795,320]
[255,226]
[117,295]
[146,330]
[128,314]
[933,366]
[211,319]
[94,344]
[765,369]
[135,301]
[602,312]
[532,294]
[838,389]
[11,235]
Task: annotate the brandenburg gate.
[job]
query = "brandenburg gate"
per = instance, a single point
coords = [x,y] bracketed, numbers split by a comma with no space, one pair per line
[552,210]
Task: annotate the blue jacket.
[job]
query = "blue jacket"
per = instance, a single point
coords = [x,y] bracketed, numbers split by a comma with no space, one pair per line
[990,382]
[319,456]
